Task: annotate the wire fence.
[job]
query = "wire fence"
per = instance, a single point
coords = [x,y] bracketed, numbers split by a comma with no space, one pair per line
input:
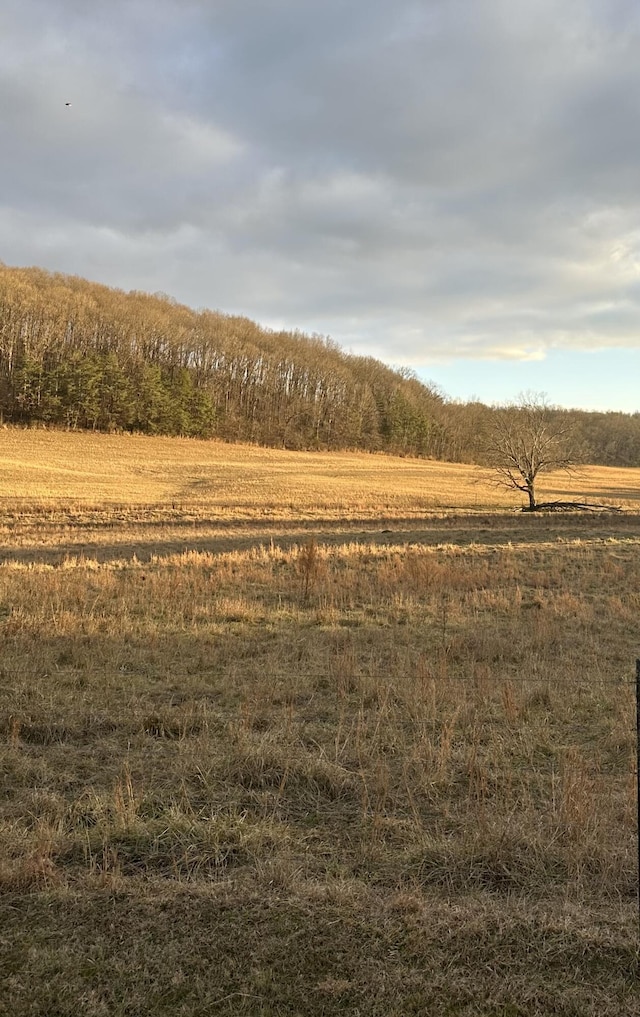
[471,680]
[548,768]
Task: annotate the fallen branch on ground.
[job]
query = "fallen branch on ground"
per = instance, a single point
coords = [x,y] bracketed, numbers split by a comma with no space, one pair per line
[571,506]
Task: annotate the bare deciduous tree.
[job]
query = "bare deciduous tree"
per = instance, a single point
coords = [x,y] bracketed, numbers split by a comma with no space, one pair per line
[526,439]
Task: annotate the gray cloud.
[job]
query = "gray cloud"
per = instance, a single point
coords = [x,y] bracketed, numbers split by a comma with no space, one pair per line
[418,179]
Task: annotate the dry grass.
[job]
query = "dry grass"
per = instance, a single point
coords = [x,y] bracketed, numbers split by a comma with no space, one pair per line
[56,469]
[301,769]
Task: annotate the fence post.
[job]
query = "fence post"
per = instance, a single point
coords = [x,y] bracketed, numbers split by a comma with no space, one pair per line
[638,769]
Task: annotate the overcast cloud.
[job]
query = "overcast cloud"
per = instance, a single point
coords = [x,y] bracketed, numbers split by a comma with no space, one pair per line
[417,179]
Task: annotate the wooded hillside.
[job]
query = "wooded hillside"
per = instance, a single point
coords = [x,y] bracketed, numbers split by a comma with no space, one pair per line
[80,355]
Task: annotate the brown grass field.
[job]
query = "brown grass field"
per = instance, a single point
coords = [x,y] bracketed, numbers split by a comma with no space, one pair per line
[309,734]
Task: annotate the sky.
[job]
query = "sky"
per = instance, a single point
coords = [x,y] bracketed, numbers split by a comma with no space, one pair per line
[448,185]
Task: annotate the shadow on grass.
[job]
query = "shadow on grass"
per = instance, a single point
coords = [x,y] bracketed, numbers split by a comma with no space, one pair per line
[457,530]
[314,949]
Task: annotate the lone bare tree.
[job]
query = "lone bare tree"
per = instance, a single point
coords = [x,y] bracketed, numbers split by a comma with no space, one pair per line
[525,439]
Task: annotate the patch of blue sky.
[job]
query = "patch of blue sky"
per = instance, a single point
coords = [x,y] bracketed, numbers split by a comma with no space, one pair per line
[605,379]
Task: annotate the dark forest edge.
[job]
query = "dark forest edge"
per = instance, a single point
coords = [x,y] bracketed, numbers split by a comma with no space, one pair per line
[76,354]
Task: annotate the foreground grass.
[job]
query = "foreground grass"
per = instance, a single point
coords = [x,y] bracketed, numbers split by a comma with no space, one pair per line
[317,772]
[310,950]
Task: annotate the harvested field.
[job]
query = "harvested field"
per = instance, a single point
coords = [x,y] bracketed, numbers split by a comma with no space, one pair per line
[275,741]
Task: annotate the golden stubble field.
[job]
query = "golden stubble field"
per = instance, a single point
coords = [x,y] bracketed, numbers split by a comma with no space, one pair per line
[311,734]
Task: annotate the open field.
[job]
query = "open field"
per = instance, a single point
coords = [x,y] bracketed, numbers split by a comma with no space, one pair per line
[67,494]
[242,482]
[343,750]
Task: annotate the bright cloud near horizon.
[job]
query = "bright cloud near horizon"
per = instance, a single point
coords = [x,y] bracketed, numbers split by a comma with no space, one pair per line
[451,185]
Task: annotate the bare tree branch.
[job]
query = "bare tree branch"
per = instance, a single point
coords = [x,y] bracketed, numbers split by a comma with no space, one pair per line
[526,439]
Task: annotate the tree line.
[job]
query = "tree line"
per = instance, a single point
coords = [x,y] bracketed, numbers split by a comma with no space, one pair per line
[602,438]
[77,354]
[80,355]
